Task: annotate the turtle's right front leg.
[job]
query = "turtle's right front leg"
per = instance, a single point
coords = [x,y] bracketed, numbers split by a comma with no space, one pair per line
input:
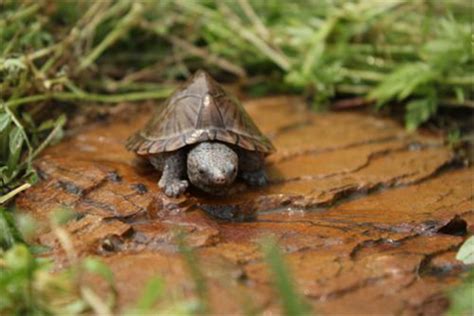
[251,168]
[174,170]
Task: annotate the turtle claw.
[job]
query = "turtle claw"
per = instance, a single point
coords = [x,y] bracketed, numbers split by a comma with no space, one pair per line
[173,188]
[255,179]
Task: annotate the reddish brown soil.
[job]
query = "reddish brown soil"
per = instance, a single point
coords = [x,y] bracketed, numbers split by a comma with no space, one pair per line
[368,216]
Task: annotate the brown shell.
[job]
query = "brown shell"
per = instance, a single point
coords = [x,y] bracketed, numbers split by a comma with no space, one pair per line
[199,111]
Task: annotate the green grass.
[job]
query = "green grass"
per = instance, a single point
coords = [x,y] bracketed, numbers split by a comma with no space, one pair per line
[292,303]
[415,54]
[195,271]
[9,234]
[461,297]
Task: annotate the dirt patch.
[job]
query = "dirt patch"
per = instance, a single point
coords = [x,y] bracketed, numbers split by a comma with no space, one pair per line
[366,214]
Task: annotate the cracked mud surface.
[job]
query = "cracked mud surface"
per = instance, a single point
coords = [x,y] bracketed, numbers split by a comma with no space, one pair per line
[368,216]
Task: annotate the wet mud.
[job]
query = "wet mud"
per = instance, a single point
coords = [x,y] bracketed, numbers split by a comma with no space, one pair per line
[368,216]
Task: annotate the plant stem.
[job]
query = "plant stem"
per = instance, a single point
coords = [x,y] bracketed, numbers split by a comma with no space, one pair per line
[20,127]
[358,74]
[456,103]
[21,14]
[122,27]
[357,89]
[14,192]
[207,56]
[253,17]
[318,45]
[69,96]
[459,81]
[276,56]
[48,139]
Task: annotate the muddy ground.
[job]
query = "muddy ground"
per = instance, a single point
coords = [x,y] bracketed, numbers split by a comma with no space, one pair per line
[369,217]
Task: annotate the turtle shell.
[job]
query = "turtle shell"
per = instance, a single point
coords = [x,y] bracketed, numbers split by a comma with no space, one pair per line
[199,111]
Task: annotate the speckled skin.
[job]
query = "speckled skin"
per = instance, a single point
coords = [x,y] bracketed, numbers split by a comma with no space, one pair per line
[209,166]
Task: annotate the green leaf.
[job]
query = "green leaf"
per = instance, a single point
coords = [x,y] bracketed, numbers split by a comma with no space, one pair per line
[461,297]
[15,145]
[196,273]
[153,290]
[48,124]
[27,120]
[98,267]
[291,301]
[419,111]
[19,258]
[16,140]
[59,133]
[4,121]
[9,234]
[63,215]
[454,138]
[403,82]
[460,97]
[466,252]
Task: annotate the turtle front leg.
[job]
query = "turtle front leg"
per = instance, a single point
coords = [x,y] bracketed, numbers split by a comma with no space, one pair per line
[251,169]
[174,170]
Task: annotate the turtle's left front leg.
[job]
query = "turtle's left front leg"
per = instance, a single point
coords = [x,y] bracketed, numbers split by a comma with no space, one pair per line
[174,169]
[251,167]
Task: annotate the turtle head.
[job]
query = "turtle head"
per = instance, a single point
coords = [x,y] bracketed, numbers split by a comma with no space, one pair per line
[212,167]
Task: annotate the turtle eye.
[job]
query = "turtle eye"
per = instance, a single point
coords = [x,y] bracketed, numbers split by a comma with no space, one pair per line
[201,171]
[233,169]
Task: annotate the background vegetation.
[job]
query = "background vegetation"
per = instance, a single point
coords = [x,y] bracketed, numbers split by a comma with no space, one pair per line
[56,55]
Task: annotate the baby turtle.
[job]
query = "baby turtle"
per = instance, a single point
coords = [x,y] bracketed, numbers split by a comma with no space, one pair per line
[204,133]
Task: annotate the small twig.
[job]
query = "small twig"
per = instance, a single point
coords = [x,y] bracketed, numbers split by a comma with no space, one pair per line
[48,139]
[129,85]
[279,58]
[351,103]
[459,81]
[455,103]
[363,74]
[253,17]
[11,44]
[400,49]
[207,56]
[353,88]
[20,14]
[41,52]
[146,72]
[65,242]
[86,20]
[14,192]
[94,301]
[103,11]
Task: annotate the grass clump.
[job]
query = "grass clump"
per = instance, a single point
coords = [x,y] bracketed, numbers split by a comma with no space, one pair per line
[9,234]
[28,283]
[290,300]
[30,288]
[461,297]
